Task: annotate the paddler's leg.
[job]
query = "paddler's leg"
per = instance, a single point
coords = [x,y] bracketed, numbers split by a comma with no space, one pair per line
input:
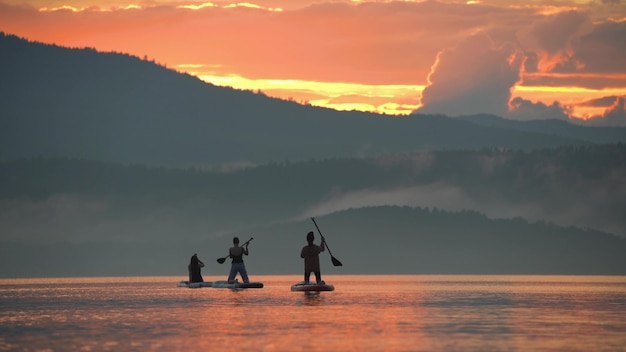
[233,273]
[244,273]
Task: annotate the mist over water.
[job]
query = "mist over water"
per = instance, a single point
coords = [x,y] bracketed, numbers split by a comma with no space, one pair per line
[365,312]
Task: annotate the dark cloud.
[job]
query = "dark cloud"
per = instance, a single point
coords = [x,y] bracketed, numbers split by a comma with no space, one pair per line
[591,81]
[522,109]
[603,49]
[560,50]
[601,102]
[474,77]
[615,115]
[374,43]
[556,33]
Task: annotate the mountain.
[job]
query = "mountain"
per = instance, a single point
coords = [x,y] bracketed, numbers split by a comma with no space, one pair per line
[569,186]
[103,172]
[64,102]
[378,240]
[553,211]
[552,126]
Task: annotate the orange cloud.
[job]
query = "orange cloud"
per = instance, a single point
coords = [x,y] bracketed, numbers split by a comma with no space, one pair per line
[378,46]
[386,99]
[474,77]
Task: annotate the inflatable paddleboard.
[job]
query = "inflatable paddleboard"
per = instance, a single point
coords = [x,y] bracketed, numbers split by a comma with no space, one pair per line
[194,284]
[312,287]
[236,285]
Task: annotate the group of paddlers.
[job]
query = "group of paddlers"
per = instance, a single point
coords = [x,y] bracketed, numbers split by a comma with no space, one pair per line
[310,254]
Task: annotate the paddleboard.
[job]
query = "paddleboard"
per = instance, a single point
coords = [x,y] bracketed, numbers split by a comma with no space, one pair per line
[194,284]
[311,287]
[235,285]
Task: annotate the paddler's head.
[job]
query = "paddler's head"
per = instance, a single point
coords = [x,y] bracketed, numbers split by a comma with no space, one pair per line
[236,240]
[310,237]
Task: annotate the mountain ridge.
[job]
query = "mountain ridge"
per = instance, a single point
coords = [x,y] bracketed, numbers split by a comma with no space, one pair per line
[403,241]
[92,144]
[570,186]
[115,107]
[595,134]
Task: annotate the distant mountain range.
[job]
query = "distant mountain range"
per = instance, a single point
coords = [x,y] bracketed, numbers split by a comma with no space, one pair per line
[63,102]
[553,127]
[377,240]
[401,214]
[91,179]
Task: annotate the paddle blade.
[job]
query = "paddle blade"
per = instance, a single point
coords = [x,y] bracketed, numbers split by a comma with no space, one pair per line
[336,261]
[221,260]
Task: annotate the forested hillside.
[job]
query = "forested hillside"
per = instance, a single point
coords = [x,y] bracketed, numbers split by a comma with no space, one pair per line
[480,211]
[61,102]
[128,167]
[374,240]
[581,186]
[553,126]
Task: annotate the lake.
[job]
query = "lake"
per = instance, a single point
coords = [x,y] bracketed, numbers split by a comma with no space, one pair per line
[364,313]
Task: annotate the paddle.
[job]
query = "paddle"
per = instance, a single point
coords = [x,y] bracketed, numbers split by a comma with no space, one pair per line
[222,260]
[335,261]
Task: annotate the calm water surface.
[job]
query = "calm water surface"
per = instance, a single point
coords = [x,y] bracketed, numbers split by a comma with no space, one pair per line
[364,313]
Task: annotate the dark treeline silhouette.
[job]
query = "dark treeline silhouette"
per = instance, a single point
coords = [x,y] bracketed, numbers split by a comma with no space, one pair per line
[514,174]
[484,196]
[426,240]
[371,240]
[64,102]
[554,127]
[579,186]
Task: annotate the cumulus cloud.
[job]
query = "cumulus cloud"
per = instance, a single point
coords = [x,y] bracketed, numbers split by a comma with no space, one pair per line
[614,111]
[560,49]
[474,77]
[592,56]
[603,49]
[368,42]
[522,109]
[605,102]
[615,115]
[551,39]
[374,43]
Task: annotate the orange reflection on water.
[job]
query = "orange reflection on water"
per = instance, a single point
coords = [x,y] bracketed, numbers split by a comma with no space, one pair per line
[276,319]
[364,313]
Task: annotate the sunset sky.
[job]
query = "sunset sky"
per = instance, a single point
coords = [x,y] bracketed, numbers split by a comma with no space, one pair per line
[518,59]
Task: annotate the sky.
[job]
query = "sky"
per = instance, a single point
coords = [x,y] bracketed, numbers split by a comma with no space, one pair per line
[527,59]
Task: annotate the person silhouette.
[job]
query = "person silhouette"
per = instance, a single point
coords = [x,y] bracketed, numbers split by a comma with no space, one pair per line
[194,267]
[310,254]
[237,265]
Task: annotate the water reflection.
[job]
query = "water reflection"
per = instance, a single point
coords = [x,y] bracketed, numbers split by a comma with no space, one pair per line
[400,313]
[312,298]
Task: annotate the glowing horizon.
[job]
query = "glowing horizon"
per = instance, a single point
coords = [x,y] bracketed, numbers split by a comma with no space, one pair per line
[378,56]
[300,91]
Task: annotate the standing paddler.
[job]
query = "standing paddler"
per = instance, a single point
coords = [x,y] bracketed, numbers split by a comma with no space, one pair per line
[310,254]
